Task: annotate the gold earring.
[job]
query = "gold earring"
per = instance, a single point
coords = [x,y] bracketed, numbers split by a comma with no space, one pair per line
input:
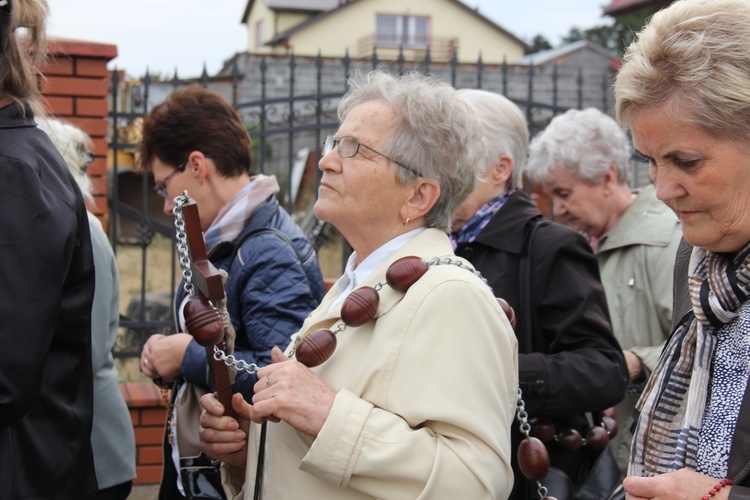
[406,221]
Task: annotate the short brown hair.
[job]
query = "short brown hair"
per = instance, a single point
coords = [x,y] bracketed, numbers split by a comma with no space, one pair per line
[195,119]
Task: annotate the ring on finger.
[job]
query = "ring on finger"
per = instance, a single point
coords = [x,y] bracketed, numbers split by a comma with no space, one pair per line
[268,380]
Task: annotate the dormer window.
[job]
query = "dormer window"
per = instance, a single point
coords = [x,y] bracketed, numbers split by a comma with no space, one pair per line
[409,32]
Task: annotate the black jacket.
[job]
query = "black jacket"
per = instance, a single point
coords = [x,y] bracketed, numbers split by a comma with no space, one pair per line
[46,292]
[576,365]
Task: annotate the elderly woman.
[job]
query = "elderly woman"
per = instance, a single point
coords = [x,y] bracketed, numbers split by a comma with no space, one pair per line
[684,93]
[47,277]
[416,401]
[195,141]
[569,361]
[582,160]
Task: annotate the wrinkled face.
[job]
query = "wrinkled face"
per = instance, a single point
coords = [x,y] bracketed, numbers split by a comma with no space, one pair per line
[360,195]
[705,180]
[578,203]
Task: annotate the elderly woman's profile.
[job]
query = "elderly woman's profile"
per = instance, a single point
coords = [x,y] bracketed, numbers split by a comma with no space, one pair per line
[684,93]
[417,397]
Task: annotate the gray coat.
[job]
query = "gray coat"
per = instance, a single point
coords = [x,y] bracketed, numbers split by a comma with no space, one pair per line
[112,437]
[636,262]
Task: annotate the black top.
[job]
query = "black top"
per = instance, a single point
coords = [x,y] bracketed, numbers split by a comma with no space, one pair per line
[47,280]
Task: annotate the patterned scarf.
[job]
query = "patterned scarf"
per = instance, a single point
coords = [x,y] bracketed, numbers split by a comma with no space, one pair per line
[233,217]
[673,402]
[471,230]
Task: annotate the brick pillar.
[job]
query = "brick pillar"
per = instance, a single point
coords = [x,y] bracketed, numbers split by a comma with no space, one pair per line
[76,89]
[148,412]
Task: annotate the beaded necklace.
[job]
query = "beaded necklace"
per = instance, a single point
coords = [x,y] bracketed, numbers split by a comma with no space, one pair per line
[361,306]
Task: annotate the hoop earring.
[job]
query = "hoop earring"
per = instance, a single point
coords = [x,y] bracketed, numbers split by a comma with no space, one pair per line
[406,221]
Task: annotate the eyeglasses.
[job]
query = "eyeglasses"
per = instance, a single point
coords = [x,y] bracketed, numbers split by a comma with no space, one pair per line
[348,147]
[161,187]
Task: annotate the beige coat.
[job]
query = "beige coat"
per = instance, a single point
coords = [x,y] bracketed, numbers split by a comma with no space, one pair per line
[425,396]
[636,263]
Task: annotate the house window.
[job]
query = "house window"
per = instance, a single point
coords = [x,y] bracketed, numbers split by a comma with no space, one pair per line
[412,32]
[259,37]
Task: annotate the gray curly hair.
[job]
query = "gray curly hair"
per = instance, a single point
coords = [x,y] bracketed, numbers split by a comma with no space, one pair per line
[584,142]
[436,134]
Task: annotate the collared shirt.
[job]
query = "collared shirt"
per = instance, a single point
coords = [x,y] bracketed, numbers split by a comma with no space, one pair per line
[354,275]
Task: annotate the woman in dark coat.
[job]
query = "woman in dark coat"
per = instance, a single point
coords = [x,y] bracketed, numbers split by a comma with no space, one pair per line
[572,363]
[47,280]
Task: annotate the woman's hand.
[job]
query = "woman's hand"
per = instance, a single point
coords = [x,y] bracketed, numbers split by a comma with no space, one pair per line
[222,437]
[162,355]
[677,485]
[635,365]
[287,390]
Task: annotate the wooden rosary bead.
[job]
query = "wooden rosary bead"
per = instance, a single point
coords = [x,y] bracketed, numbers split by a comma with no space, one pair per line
[360,306]
[316,348]
[203,321]
[543,429]
[404,272]
[533,459]
[609,412]
[509,312]
[596,438]
[570,439]
[610,425]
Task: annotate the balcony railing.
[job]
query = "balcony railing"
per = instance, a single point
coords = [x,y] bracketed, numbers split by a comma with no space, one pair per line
[414,47]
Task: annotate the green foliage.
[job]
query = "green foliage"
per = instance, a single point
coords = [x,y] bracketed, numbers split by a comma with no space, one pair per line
[616,36]
[540,43]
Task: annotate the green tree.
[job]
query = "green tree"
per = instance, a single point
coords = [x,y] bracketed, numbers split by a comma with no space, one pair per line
[539,43]
[615,36]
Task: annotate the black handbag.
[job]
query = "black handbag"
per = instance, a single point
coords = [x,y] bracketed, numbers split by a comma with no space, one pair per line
[599,477]
[201,477]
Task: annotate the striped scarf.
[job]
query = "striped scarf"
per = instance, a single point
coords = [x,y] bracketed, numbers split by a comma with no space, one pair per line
[471,230]
[671,408]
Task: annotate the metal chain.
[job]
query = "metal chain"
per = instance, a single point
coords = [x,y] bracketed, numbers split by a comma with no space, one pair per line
[182,246]
[440,261]
[239,364]
[523,418]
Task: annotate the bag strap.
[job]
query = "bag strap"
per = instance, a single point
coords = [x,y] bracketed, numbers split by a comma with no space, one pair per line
[262,230]
[525,317]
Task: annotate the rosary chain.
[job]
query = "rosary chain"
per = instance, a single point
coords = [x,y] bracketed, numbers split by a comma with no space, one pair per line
[182,247]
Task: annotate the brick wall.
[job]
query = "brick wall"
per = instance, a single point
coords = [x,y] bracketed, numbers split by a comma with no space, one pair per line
[76,90]
[148,412]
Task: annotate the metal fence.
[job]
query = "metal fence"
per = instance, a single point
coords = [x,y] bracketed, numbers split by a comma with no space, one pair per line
[289,106]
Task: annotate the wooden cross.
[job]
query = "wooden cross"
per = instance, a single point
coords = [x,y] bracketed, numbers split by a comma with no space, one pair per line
[207,282]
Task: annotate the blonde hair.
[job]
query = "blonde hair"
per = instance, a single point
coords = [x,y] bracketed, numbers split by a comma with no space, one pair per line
[75,148]
[25,54]
[693,57]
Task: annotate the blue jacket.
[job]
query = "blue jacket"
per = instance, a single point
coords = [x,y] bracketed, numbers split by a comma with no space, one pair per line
[270,291]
